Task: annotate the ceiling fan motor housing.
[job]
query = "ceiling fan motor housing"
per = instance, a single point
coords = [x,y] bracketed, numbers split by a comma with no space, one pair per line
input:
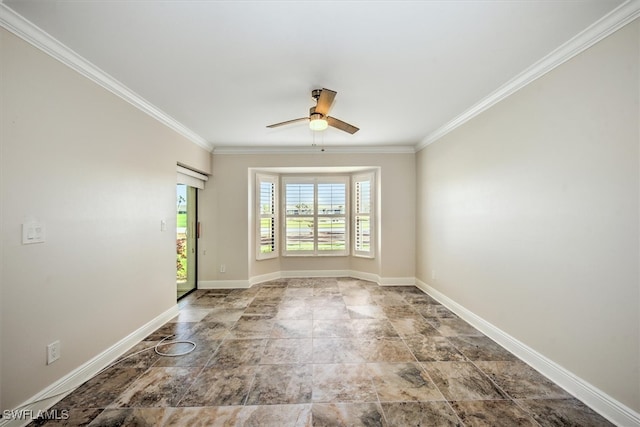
[313,114]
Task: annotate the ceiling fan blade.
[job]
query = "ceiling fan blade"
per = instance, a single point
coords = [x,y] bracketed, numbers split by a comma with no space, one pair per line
[288,122]
[339,124]
[324,101]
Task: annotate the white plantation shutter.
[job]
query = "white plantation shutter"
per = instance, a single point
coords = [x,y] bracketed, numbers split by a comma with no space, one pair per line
[267,216]
[316,216]
[332,219]
[363,218]
[300,216]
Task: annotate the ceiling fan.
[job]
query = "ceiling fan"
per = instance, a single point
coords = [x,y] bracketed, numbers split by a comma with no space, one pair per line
[318,118]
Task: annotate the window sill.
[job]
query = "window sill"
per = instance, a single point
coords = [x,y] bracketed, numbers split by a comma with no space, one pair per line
[364,256]
[314,255]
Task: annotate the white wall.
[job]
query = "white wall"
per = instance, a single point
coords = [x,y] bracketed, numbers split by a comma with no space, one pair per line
[224,207]
[528,215]
[100,175]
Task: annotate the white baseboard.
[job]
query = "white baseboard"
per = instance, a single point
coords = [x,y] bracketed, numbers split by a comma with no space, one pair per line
[224,284]
[382,281]
[596,399]
[397,281]
[287,274]
[371,277]
[291,274]
[264,278]
[52,394]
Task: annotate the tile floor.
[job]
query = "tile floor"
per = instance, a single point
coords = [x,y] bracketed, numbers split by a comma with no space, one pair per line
[322,352]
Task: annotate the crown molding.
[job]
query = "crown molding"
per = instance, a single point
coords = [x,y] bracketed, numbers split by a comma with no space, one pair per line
[26,30]
[386,149]
[608,24]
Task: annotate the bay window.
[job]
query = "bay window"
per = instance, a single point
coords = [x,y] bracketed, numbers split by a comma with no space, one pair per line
[315,215]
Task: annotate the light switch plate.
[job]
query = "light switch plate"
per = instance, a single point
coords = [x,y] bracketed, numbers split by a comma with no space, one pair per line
[33,232]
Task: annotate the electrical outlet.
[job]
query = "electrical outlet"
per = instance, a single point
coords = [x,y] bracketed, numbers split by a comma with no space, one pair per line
[433,275]
[223,268]
[53,352]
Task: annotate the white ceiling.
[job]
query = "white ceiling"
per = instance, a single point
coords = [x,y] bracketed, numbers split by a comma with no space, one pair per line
[226,69]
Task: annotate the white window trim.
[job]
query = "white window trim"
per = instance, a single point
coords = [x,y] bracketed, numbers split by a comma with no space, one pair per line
[316,179]
[273,179]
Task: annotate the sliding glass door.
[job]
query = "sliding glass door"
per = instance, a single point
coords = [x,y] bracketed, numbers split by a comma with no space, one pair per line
[186,235]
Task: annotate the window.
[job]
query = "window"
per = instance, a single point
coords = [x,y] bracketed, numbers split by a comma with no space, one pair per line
[363,215]
[267,215]
[316,215]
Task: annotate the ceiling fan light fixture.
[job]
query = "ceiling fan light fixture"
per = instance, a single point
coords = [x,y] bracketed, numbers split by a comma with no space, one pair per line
[317,122]
[318,117]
